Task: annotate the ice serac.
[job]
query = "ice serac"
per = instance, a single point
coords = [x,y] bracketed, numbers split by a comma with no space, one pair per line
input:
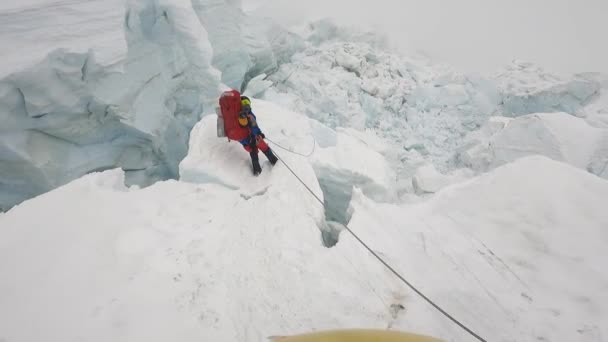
[349,79]
[596,112]
[423,110]
[559,136]
[515,254]
[241,49]
[78,108]
[527,88]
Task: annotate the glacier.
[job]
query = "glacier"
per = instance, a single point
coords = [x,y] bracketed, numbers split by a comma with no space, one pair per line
[424,111]
[81,109]
[124,89]
[528,89]
[235,257]
[559,136]
[330,155]
[226,259]
[517,252]
[113,178]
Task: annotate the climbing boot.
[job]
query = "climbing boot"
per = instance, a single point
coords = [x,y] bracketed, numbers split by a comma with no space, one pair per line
[255,162]
[271,157]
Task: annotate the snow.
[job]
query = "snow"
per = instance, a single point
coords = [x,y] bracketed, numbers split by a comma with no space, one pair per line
[487,193]
[527,89]
[76,110]
[559,136]
[344,163]
[423,111]
[232,162]
[428,180]
[516,254]
[596,112]
[348,164]
[224,255]
[185,260]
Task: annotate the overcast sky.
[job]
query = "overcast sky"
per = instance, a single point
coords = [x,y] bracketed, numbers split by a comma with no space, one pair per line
[475,35]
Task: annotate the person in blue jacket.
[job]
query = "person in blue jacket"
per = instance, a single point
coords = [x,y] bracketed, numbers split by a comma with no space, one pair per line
[255,140]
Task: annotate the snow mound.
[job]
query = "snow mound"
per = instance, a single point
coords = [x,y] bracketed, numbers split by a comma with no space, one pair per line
[191,261]
[77,110]
[340,162]
[232,163]
[559,136]
[527,88]
[428,180]
[517,253]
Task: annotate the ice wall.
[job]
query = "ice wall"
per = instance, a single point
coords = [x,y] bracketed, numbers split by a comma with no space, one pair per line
[78,110]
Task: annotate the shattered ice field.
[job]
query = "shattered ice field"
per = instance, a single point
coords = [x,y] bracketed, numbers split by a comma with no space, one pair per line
[126,218]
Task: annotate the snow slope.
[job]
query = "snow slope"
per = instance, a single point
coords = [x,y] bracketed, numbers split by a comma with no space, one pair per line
[517,254]
[100,85]
[187,260]
[223,255]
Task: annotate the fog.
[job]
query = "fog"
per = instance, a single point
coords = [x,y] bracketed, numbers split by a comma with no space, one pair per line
[563,36]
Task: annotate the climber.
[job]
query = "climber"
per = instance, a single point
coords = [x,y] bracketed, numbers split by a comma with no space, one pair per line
[255,140]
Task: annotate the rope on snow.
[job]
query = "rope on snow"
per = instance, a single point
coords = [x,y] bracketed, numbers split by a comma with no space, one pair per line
[314,145]
[386,264]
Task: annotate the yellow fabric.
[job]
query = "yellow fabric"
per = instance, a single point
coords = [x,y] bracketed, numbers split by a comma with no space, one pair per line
[242,121]
[356,335]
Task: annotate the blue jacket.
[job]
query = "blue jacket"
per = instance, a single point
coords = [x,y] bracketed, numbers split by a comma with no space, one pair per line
[254,129]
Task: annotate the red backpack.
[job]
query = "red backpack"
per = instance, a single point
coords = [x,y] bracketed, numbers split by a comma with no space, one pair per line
[230,107]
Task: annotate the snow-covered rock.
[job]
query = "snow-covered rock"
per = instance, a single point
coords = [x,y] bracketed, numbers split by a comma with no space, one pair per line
[516,254]
[559,136]
[118,91]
